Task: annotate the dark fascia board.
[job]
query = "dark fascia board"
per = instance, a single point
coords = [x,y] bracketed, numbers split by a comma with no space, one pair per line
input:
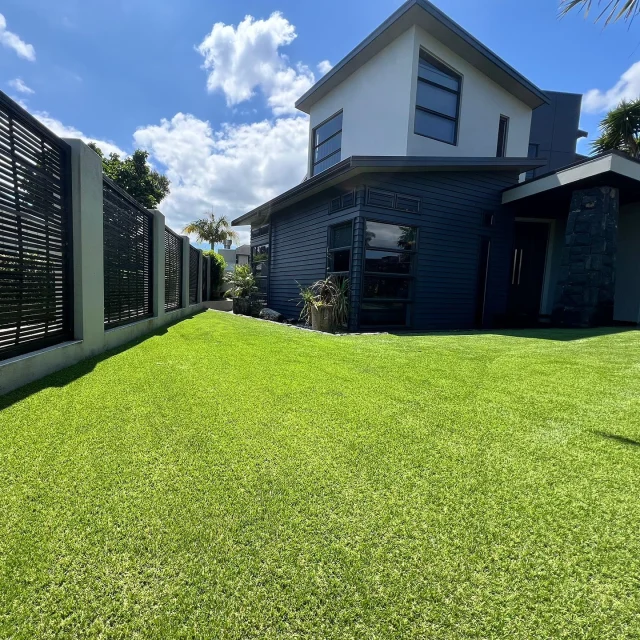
[357,165]
[425,15]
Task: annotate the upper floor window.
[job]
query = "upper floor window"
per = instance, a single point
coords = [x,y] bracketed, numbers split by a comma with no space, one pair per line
[327,144]
[437,100]
[532,153]
[503,132]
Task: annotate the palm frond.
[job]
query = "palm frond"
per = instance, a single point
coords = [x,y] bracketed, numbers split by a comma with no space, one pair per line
[614,10]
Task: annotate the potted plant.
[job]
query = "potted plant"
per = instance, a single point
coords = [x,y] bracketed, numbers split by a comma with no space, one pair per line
[325,304]
[242,289]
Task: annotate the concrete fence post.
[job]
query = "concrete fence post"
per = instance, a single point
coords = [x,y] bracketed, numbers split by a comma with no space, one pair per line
[158,263]
[185,271]
[88,246]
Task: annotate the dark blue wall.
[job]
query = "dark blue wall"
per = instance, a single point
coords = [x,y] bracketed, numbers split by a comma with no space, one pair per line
[555,128]
[451,222]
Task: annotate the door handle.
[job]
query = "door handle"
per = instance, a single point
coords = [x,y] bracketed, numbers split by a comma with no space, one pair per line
[513,270]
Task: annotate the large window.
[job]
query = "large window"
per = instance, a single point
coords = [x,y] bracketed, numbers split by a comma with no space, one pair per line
[260,262]
[437,100]
[327,144]
[388,274]
[339,252]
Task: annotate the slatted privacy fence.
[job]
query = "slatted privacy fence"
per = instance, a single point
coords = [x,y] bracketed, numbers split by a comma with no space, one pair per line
[35,234]
[128,253]
[193,275]
[205,264]
[172,270]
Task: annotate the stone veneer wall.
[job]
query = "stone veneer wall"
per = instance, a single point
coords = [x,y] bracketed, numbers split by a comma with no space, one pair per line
[585,289]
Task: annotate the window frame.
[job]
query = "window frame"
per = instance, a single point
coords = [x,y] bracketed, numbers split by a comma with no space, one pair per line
[530,175]
[501,150]
[331,250]
[411,276]
[314,146]
[252,263]
[431,59]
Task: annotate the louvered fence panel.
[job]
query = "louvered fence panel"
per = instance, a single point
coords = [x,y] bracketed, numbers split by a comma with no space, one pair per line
[35,234]
[127,258]
[205,261]
[193,275]
[172,270]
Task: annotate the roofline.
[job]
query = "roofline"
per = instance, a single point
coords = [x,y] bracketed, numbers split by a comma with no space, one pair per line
[611,161]
[356,165]
[303,103]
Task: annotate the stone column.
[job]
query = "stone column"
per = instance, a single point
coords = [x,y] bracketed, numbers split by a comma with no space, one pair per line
[586,283]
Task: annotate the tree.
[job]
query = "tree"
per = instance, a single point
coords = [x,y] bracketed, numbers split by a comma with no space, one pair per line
[613,9]
[212,230]
[620,130]
[135,176]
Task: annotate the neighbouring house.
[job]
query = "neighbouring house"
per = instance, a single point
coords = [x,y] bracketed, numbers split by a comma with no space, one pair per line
[239,255]
[447,188]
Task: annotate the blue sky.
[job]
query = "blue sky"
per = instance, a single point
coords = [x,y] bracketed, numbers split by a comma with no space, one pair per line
[108,69]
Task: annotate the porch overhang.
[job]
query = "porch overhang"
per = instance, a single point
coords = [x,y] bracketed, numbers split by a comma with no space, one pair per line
[612,169]
[357,165]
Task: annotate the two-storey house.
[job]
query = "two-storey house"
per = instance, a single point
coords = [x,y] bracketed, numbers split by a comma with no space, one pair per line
[433,184]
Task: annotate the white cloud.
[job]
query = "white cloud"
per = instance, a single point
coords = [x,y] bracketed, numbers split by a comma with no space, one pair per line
[63,131]
[19,85]
[229,171]
[627,88]
[324,67]
[13,41]
[244,58]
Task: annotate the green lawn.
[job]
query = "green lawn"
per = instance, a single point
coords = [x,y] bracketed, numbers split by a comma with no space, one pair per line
[237,479]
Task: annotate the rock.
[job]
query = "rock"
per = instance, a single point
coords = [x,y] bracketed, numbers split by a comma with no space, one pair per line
[270,314]
[292,321]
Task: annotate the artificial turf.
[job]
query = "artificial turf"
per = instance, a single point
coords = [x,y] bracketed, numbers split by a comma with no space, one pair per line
[232,478]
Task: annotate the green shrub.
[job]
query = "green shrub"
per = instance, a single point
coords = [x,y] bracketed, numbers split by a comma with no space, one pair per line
[242,281]
[218,266]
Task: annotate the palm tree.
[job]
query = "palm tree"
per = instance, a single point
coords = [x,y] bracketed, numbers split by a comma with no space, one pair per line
[614,9]
[620,129]
[212,230]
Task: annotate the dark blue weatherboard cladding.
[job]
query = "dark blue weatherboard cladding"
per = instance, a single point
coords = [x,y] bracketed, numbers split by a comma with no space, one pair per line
[299,248]
[455,211]
[451,222]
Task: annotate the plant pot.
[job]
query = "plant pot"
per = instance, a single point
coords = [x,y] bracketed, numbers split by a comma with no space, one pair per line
[322,319]
[242,306]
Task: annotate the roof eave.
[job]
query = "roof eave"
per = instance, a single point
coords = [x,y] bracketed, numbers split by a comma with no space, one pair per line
[513,81]
[356,165]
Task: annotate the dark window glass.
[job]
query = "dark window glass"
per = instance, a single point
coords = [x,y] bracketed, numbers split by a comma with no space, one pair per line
[387,262]
[340,239]
[503,130]
[380,287]
[390,236]
[341,236]
[374,314]
[434,126]
[328,129]
[260,263]
[437,100]
[340,260]
[430,70]
[327,142]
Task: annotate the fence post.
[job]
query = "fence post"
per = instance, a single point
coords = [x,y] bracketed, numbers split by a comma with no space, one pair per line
[158,263]
[88,246]
[185,271]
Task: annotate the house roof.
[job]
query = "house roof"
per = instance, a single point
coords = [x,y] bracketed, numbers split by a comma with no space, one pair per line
[356,165]
[425,15]
[617,168]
